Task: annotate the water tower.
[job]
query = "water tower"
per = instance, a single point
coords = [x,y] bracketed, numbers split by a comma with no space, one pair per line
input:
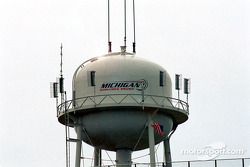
[121,103]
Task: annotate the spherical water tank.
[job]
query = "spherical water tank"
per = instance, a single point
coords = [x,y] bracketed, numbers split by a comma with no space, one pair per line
[113,96]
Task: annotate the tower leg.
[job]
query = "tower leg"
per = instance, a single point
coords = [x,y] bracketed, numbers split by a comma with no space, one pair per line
[97,157]
[100,159]
[151,140]
[123,158]
[167,153]
[78,146]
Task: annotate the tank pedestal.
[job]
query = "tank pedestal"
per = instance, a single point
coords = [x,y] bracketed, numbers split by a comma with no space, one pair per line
[123,158]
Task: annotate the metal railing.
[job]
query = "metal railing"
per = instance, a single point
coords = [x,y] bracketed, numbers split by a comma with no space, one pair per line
[122,100]
[237,162]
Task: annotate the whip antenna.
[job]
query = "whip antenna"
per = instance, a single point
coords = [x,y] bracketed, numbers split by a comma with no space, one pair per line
[61,54]
[125,24]
[61,79]
[109,42]
[134,45]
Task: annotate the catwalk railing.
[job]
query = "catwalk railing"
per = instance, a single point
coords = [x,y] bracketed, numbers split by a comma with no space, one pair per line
[122,99]
[237,162]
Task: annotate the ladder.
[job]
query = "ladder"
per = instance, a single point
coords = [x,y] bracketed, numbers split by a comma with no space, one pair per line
[67,137]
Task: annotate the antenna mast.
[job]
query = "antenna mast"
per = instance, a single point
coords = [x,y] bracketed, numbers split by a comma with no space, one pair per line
[134,46]
[61,87]
[61,54]
[124,46]
[125,24]
[109,42]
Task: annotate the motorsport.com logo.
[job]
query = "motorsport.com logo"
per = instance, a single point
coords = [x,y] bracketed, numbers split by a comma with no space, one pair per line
[124,85]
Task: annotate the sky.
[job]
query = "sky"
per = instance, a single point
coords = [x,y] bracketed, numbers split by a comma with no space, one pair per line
[207,41]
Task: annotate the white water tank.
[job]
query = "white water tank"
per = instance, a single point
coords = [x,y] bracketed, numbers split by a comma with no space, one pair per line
[112,97]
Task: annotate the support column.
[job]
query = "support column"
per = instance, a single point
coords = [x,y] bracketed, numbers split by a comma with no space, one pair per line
[100,155]
[151,141]
[97,157]
[78,145]
[123,158]
[167,153]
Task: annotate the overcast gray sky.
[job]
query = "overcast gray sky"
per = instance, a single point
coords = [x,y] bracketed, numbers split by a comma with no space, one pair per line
[206,40]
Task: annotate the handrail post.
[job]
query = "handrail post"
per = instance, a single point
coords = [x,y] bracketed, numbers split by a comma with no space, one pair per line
[243,162]
[215,163]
